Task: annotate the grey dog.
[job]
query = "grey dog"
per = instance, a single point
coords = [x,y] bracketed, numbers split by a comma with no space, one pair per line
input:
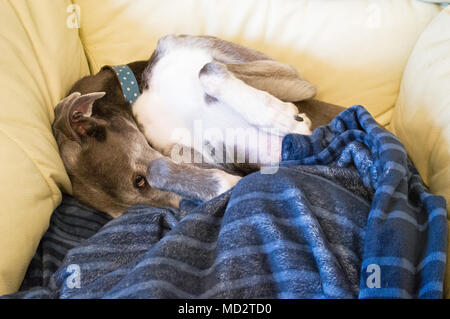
[119,155]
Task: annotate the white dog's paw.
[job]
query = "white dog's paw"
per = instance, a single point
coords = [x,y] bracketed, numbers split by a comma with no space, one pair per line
[302,125]
[307,121]
[290,109]
[284,123]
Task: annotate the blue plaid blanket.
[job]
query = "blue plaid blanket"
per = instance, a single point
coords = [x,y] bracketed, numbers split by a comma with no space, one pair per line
[345,216]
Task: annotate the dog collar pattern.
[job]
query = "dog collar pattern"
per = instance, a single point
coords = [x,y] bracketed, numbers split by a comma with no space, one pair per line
[128,82]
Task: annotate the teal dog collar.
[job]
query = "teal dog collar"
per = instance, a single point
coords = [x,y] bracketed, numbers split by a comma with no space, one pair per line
[128,82]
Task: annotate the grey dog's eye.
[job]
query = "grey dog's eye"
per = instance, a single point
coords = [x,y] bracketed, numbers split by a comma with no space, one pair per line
[139,181]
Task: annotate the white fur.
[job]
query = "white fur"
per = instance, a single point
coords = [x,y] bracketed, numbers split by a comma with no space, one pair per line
[175,102]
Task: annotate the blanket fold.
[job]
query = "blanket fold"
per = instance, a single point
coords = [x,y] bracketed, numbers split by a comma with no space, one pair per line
[406,228]
[346,215]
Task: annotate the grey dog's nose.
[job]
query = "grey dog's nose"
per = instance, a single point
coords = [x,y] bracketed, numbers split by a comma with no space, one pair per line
[298,118]
[158,172]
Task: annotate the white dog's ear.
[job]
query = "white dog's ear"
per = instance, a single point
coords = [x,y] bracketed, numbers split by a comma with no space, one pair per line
[73,115]
[281,80]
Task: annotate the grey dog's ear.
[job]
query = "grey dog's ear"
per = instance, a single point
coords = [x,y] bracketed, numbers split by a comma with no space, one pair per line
[73,115]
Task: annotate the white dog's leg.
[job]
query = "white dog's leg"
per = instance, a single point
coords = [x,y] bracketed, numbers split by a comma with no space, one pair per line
[278,79]
[258,107]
